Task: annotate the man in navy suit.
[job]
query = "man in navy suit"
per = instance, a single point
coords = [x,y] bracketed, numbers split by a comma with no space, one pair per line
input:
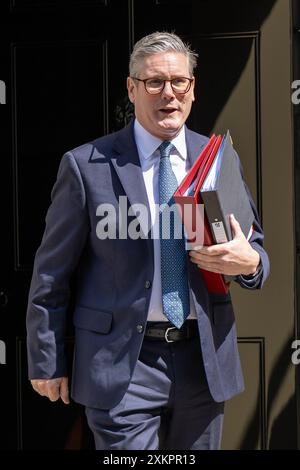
[155,354]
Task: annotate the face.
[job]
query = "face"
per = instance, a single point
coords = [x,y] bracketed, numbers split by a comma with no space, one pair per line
[164,114]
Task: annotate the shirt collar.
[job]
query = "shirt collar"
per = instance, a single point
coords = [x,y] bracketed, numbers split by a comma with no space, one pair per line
[147,143]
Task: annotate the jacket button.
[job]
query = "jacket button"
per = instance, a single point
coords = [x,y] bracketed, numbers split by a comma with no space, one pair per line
[140,328]
[147,284]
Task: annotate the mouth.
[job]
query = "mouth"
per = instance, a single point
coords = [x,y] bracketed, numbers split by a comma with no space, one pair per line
[168,111]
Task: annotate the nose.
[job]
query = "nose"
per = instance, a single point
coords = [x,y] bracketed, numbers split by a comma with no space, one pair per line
[168,90]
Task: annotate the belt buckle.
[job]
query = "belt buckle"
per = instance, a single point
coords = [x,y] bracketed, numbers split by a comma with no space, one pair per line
[167,332]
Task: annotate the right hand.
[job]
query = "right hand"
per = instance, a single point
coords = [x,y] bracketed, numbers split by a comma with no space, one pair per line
[52,388]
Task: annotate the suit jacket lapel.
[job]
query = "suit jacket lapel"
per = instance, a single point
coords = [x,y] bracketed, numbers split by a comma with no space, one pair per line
[127,165]
[194,145]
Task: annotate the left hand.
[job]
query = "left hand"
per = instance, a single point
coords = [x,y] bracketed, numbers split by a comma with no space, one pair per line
[52,388]
[232,258]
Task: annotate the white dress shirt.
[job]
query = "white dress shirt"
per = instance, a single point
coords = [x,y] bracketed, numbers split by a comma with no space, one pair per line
[149,155]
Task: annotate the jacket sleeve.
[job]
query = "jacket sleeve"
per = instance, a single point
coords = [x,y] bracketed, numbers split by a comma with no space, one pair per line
[67,226]
[256,241]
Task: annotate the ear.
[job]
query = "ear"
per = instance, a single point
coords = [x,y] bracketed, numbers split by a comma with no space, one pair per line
[131,89]
[193,88]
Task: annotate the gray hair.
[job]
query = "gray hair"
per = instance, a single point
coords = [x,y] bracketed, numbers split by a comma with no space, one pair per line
[160,42]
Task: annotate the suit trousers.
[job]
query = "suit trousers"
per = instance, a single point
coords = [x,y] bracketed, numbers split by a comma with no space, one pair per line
[166,406]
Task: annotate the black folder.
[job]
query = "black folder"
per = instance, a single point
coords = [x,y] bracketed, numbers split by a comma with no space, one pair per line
[227,195]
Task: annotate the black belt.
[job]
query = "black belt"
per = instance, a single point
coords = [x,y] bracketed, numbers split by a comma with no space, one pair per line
[166,331]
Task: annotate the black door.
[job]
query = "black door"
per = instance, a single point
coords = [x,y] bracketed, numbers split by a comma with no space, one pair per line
[64,65]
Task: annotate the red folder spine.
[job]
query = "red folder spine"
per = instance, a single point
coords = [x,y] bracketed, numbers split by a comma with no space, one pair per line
[214,282]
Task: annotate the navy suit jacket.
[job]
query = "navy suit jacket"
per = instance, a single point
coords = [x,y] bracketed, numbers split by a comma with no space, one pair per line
[114,281]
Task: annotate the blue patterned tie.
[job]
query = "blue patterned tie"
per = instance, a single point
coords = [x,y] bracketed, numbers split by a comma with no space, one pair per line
[174,279]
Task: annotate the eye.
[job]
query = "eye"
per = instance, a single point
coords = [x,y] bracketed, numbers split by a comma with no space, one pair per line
[154,82]
[179,81]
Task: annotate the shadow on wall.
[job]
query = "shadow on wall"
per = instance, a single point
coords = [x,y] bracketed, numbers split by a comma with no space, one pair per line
[222,61]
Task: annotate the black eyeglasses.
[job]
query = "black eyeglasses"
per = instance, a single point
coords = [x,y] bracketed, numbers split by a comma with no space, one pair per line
[154,86]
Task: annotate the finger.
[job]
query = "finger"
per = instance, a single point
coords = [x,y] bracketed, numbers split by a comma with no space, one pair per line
[198,258]
[35,386]
[195,254]
[39,386]
[53,389]
[213,250]
[203,258]
[209,264]
[236,228]
[64,391]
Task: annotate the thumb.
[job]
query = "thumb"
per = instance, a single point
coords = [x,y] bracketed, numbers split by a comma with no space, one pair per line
[64,390]
[236,228]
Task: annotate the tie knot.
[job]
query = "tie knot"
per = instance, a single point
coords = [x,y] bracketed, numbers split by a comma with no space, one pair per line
[165,148]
